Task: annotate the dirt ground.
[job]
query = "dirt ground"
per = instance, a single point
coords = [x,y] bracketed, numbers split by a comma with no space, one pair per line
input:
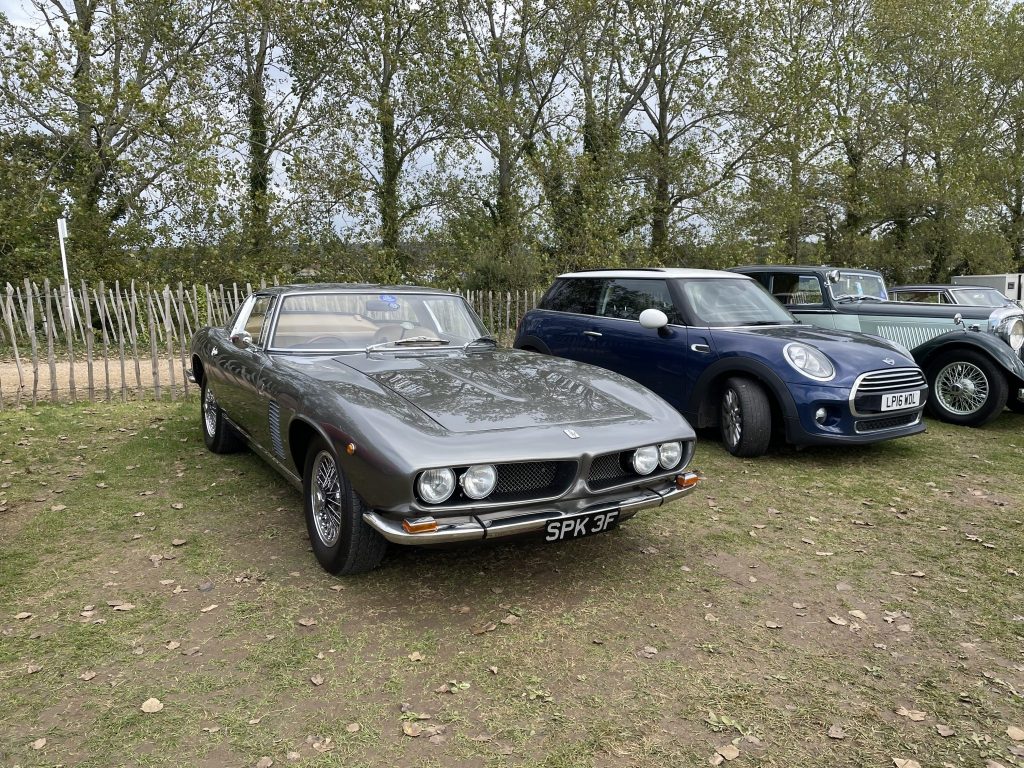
[17,386]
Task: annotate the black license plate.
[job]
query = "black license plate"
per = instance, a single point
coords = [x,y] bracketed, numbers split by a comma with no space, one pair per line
[581,525]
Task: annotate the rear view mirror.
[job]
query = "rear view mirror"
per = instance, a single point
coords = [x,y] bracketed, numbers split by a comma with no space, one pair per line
[653,319]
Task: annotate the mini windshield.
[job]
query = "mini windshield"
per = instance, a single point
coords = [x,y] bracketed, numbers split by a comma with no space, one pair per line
[980,297]
[351,322]
[728,301]
[858,286]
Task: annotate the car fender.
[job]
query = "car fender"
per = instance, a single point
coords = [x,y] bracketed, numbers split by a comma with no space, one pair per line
[532,341]
[1000,352]
[698,410]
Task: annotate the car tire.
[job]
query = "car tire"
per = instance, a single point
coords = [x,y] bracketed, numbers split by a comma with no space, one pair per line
[342,542]
[966,388]
[745,418]
[219,436]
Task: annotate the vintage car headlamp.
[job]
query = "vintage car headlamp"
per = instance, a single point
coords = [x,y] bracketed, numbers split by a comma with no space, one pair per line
[669,454]
[479,480]
[1012,332]
[645,460]
[809,361]
[436,485]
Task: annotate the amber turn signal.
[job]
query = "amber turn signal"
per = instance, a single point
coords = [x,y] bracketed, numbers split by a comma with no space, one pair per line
[687,480]
[350,448]
[420,525]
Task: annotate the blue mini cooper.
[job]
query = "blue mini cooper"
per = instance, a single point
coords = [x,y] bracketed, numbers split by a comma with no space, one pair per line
[725,352]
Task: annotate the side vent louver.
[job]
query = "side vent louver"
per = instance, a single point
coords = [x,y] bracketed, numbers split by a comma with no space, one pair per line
[275,429]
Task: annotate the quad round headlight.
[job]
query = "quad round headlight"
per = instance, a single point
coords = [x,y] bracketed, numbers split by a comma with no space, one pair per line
[645,460]
[436,485]
[479,480]
[669,454]
[1015,333]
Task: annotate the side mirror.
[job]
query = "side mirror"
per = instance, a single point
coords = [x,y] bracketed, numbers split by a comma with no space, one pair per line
[241,339]
[653,319]
[958,319]
[833,275]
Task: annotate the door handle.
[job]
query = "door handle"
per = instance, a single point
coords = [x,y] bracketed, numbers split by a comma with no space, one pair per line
[702,348]
[592,333]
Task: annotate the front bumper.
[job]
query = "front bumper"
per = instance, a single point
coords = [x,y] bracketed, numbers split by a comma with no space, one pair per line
[502,524]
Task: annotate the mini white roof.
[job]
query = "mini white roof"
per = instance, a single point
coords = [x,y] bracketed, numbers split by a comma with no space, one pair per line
[656,272]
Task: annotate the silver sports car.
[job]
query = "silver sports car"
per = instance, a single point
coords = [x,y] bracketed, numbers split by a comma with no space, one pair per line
[403,422]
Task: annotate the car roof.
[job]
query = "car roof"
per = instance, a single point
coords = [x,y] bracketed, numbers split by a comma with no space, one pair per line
[800,268]
[349,288]
[653,272]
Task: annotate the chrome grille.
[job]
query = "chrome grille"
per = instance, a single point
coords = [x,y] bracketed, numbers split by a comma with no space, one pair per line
[608,470]
[896,380]
[527,476]
[275,428]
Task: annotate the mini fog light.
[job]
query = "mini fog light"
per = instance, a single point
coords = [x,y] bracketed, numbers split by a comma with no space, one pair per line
[820,415]
[479,480]
[645,460]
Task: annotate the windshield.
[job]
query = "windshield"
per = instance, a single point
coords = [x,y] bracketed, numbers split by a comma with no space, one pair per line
[979,297]
[724,302]
[351,322]
[858,285]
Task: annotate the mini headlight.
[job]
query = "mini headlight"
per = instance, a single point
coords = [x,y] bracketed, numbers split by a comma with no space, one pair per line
[809,361]
[479,480]
[1015,333]
[669,454]
[436,485]
[645,460]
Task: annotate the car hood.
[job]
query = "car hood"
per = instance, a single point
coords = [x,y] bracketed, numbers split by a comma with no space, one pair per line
[478,391]
[847,349]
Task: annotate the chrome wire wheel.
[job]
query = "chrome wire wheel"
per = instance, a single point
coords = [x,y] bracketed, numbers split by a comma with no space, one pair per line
[210,412]
[962,388]
[325,499]
[732,416]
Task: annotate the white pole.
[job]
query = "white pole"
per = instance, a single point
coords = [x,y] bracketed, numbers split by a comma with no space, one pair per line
[62,233]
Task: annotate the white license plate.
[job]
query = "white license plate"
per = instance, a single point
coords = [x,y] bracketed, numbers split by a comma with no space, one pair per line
[580,525]
[897,400]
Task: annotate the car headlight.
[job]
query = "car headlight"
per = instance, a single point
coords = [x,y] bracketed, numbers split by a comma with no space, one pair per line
[479,480]
[645,460]
[1013,333]
[436,485]
[669,454]
[809,361]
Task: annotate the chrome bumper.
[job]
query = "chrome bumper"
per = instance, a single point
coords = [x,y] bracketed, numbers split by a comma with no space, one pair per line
[496,525]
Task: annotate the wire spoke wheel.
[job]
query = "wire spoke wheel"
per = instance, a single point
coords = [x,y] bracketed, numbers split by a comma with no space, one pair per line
[962,388]
[325,499]
[210,412]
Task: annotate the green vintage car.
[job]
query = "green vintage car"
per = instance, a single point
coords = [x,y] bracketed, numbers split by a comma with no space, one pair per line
[970,355]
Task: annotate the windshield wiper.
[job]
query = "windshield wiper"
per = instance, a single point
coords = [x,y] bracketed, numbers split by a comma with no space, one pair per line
[482,340]
[410,341]
[860,297]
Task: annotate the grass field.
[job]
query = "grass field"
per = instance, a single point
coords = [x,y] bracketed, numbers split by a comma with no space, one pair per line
[816,608]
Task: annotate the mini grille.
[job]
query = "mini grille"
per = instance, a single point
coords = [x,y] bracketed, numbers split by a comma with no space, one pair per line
[897,380]
[890,422]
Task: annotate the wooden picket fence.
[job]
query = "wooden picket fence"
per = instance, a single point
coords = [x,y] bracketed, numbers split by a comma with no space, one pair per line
[121,342]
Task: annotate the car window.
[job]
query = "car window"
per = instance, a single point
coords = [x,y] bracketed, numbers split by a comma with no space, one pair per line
[625,299]
[256,322]
[578,295]
[792,288]
[724,302]
[929,297]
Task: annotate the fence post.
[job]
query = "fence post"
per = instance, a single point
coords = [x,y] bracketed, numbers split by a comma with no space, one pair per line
[181,339]
[51,361]
[8,318]
[87,329]
[30,329]
[152,346]
[100,297]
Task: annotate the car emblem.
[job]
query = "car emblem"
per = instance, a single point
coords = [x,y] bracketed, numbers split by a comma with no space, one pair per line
[572,433]
[888,361]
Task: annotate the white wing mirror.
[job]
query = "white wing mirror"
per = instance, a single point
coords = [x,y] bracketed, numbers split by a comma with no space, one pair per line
[653,319]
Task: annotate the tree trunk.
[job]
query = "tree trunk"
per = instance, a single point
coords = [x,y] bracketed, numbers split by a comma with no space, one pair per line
[661,203]
[258,145]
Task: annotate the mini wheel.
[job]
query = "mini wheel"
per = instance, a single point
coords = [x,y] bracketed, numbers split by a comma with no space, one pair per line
[342,542]
[745,419]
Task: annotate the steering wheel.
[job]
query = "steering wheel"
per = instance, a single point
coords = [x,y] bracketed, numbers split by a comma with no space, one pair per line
[385,333]
[324,337]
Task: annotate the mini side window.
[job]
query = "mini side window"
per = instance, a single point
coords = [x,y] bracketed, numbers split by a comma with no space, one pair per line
[625,299]
[576,295]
